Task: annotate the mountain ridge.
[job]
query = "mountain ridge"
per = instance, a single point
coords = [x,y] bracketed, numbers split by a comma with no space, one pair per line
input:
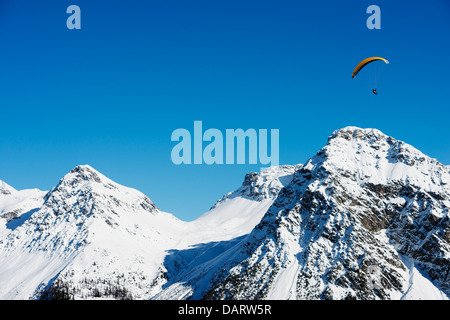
[367,217]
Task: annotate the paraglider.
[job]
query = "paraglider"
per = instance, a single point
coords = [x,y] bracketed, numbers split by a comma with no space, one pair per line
[364,63]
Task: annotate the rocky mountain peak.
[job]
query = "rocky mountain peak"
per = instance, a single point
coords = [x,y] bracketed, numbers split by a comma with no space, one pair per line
[352,132]
[368,155]
[5,189]
[263,185]
[267,183]
[84,185]
[87,173]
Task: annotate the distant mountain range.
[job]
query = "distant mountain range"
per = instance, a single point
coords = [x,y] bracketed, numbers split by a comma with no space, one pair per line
[367,217]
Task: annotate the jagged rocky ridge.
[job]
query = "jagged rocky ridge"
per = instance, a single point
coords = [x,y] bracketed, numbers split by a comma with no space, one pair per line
[365,218]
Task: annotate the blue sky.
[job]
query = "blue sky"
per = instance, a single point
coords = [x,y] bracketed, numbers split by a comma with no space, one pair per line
[111,94]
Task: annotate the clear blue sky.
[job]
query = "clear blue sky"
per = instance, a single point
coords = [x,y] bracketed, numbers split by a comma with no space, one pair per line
[111,94]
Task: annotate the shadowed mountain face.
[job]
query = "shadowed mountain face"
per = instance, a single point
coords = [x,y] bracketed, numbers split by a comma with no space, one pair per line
[366,218]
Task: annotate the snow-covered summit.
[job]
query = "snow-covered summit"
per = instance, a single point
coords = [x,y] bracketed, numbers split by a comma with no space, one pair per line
[368,155]
[267,183]
[5,188]
[89,188]
[85,174]
[262,185]
[357,132]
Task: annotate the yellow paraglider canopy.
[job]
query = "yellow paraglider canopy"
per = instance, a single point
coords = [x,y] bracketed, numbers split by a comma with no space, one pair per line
[365,62]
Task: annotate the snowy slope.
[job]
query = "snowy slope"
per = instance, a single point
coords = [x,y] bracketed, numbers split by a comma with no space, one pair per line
[14,204]
[238,212]
[230,219]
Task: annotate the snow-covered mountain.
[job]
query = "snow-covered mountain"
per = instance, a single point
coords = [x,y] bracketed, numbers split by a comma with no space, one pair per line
[366,218]
[91,235]
[15,206]
[238,212]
